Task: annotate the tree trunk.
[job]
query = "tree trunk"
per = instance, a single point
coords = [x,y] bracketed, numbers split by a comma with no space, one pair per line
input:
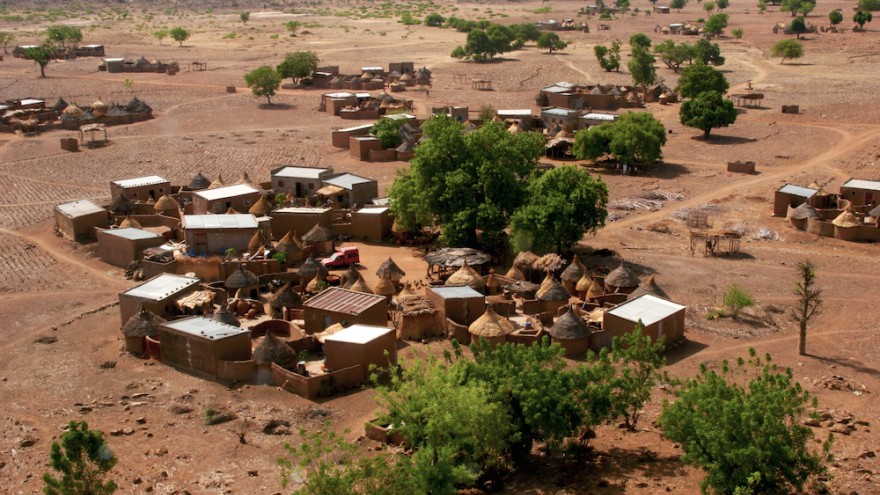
[802,340]
[706,132]
[269,99]
[42,71]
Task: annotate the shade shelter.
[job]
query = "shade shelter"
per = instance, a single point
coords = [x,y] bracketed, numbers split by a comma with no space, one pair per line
[336,305]
[200,345]
[361,345]
[140,326]
[572,333]
[492,327]
[660,317]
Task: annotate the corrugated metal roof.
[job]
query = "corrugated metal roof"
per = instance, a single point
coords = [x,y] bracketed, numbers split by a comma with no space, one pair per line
[344,301]
[204,328]
[359,334]
[226,192]
[240,221]
[347,181]
[341,94]
[355,128]
[463,292]
[649,309]
[804,192]
[871,185]
[373,69]
[132,234]
[565,112]
[140,181]
[79,208]
[516,112]
[600,116]
[161,287]
[301,210]
[399,116]
[304,172]
[31,101]
[374,211]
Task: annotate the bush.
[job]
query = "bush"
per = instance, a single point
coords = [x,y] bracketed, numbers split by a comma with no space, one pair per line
[736,298]
[83,459]
[215,416]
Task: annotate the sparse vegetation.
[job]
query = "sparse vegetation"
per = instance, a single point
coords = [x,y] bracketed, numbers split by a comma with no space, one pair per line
[263,81]
[298,65]
[609,58]
[787,49]
[41,55]
[809,302]
[82,460]
[736,299]
[179,35]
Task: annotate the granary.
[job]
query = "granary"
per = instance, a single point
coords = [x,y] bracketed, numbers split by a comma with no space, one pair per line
[572,274]
[310,269]
[272,350]
[660,317]
[860,192]
[119,247]
[299,219]
[157,295]
[622,279]
[301,181]
[466,276]
[567,118]
[355,190]
[140,188]
[140,326]
[243,283]
[846,225]
[239,197]
[167,206]
[336,305]
[201,345]
[79,219]
[207,235]
[792,196]
[649,287]
[572,333]
[320,240]
[199,182]
[491,327]
[361,345]
[552,294]
[463,305]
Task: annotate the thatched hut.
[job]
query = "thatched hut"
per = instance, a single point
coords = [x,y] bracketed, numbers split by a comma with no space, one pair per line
[272,350]
[548,263]
[351,276]
[622,279]
[243,280]
[596,289]
[199,182]
[572,333]
[583,284]
[799,216]
[258,241]
[223,315]
[390,270]
[317,284]
[360,285]
[290,247]
[649,287]
[384,287]
[572,274]
[310,268]
[466,276]
[218,182]
[416,320]
[261,208]
[492,327]
[166,205]
[122,205]
[130,223]
[515,273]
[525,260]
[320,239]
[553,295]
[283,299]
[140,326]
[846,226]
[492,284]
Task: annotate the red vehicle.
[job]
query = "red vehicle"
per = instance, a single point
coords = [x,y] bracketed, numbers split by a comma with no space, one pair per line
[343,257]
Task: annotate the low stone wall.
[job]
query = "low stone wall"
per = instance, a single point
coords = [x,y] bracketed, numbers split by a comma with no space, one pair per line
[316,386]
[388,155]
[239,371]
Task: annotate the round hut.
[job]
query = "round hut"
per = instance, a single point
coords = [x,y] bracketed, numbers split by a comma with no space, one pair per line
[650,287]
[491,283]
[846,226]
[166,205]
[310,268]
[258,241]
[572,274]
[317,284]
[466,276]
[390,270]
[384,287]
[218,182]
[492,327]
[99,108]
[261,208]
[515,274]
[524,262]
[798,217]
[596,289]
[283,300]
[621,279]
[572,333]
[360,285]
[552,294]
[288,245]
[223,315]
[136,330]
[199,182]
[272,350]
[130,223]
[320,239]
[245,281]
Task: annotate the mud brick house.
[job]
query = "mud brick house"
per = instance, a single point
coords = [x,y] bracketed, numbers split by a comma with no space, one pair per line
[791,195]
[147,188]
[336,305]
[340,137]
[565,117]
[239,197]
[298,219]
[302,181]
[157,295]
[119,247]
[361,345]
[661,318]
[199,345]
[463,305]
[78,219]
[354,189]
[860,192]
[214,234]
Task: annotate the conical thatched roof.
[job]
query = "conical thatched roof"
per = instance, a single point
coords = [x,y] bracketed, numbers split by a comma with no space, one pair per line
[166,203]
[847,219]
[525,260]
[574,271]
[142,324]
[285,297]
[274,350]
[466,276]
[218,182]
[224,316]
[390,269]
[351,277]
[261,208]
[130,223]
[256,242]
[622,277]
[491,281]
[360,285]
[241,278]
[595,289]
[569,326]
[554,291]
[804,211]
[316,284]
[546,283]
[318,233]
[60,105]
[232,211]
[384,287]
[820,191]
[121,204]
[246,179]
[515,274]
[649,287]
[491,324]
[288,244]
[311,267]
[406,293]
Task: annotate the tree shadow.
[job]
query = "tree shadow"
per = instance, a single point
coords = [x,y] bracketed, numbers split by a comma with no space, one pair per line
[739,255]
[276,106]
[798,64]
[620,462]
[684,350]
[718,140]
[856,366]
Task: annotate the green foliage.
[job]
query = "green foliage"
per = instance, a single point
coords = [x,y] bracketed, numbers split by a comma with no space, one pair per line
[388,131]
[861,17]
[483,45]
[280,257]
[59,33]
[738,33]
[563,204]
[787,49]
[5,39]
[709,110]
[869,5]
[639,359]
[809,302]
[678,4]
[298,65]
[215,416]
[434,20]
[700,78]
[835,17]
[487,112]
[762,6]
[734,431]
[708,6]
[41,55]
[798,26]
[160,34]
[82,459]
[641,67]
[640,39]
[526,32]
[722,4]
[245,17]
[542,10]
[736,298]
[407,19]
[716,24]
[179,35]
[673,55]
[802,7]
[609,58]
[263,81]
[635,138]
[551,42]
[708,53]
[292,26]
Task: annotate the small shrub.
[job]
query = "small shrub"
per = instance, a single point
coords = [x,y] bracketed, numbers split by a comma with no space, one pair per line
[215,416]
[736,298]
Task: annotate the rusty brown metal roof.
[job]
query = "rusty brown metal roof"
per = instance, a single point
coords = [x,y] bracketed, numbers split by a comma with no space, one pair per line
[344,301]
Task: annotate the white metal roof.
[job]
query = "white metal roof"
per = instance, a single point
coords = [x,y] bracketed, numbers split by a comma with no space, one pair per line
[79,208]
[132,234]
[359,334]
[365,138]
[204,328]
[871,185]
[804,192]
[31,101]
[340,94]
[240,221]
[516,112]
[362,95]
[560,87]
[92,46]
[161,287]
[355,128]
[381,201]
[226,192]
[399,116]
[303,172]
[301,210]
[114,59]
[373,69]
[374,211]
[649,309]
[565,112]
[140,181]
[347,181]
[600,116]
[462,292]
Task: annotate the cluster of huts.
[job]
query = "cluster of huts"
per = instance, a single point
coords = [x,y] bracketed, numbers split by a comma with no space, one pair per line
[569,95]
[120,64]
[853,214]
[362,105]
[365,146]
[63,52]
[31,115]
[398,77]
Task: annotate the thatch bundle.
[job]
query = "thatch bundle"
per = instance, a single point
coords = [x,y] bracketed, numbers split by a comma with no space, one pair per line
[574,271]
[803,212]
[257,241]
[223,315]
[166,203]
[525,260]
[548,263]
[232,211]
[390,270]
[596,289]
[360,285]
[384,287]
[241,278]
[318,233]
[310,268]
[285,297]
[448,257]
[466,276]
[261,208]
[274,350]
[622,277]
[491,324]
[846,220]
[515,274]
[553,291]
[130,223]
[650,287]
[569,326]
[142,324]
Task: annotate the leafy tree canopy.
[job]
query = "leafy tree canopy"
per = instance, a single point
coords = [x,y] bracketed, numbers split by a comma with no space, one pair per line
[434,20]
[41,55]
[835,17]
[802,7]
[861,17]
[551,42]
[674,55]
[179,35]
[82,460]
[700,78]
[263,81]
[678,4]
[388,131]
[798,26]
[641,67]
[709,110]
[635,138]
[787,49]
[716,24]
[609,58]
[640,39]
[708,53]
[298,65]
[59,33]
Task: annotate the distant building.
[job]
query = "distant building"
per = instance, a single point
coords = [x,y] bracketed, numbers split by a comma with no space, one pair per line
[594,118]
[355,190]
[214,234]
[336,305]
[239,197]
[791,195]
[147,188]
[119,247]
[157,295]
[564,117]
[78,219]
[302,181]
[200,345]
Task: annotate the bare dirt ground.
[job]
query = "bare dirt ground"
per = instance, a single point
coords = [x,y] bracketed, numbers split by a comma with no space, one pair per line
[61,354]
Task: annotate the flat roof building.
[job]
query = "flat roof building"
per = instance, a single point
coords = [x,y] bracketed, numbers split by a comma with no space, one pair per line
[302,181]
[356,190]
[363,345]
[660,317]
[239,197]
[151,187]
[79,219]
[463,305]
[119,247]
[200,345]
[214,234]
[336,305]
[157,295]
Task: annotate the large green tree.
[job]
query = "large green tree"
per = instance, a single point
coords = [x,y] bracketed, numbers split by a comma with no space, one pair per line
[641,67]
[835,17]
[263,81]
[484,44]
[388,131]
[700,78]
[798,26]
[707,53]
[674,55]
[179,35]
[298,65]
[609,58]
[802,7]
[678,4]
[551,42]
[861,17]
[59,33]
[716,24]
[41,55]
[709,110]
[787,49]
[744,434]
[82,460]
[465,182]
[636,138]
[563,204]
